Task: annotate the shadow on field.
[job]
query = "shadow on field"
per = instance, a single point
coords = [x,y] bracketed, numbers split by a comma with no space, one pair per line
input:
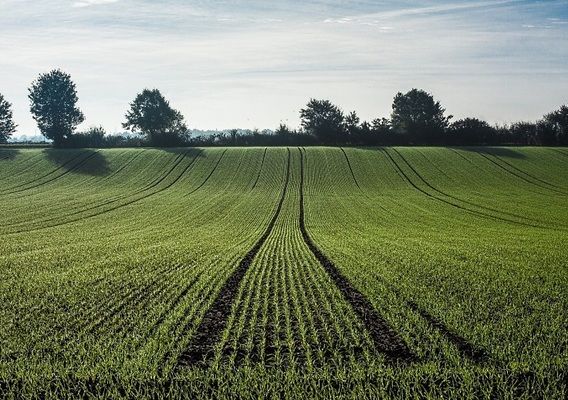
[7,153]
[85,161]
[494,151]
[190,152]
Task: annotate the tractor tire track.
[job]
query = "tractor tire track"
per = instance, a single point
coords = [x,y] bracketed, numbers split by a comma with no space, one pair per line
[361,189]
[126,164]
[465,348]
[147,187]
[457,198]
[462,208]
[208,176]
[202,346]
[519,174]
[565,154]
[350,168]
[260,170]
[173,305]
[384,337]
[469,202]
[146,196]
[45,175]
[51,179]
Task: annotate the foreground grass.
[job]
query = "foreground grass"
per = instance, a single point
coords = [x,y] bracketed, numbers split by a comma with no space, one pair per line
[110,260]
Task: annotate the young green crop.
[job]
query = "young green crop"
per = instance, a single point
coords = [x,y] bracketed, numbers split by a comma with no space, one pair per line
[110,260]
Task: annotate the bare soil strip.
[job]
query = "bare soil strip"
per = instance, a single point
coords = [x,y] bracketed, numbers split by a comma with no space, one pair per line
[260,169]
[178,160]
[458,199]
[384,337]
[350,168]
[208,176]
[465,348]
[514,171]
[21,188]
[463,208]
[202,347]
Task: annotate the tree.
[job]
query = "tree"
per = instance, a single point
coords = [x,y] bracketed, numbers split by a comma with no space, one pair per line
[381,133]
[559,122]
[7,125]
[151,115]
[53,99]
[471,131]
[323,120]
[419,117]
[524,133]
[93,137]
[352,126]
[234,134]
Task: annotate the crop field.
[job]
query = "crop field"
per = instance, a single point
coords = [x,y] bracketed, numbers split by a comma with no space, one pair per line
[284,272]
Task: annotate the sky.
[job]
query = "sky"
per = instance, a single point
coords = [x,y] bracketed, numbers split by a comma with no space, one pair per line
[254,64]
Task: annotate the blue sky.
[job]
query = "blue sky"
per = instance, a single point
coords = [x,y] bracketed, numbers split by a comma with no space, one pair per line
[248,64]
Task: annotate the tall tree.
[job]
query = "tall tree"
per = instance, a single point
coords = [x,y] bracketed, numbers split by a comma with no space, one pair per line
[324,120]
[151,115]
[53,100]
[559,122]
[7,125]
[419,117]
[471,131]
[353,127]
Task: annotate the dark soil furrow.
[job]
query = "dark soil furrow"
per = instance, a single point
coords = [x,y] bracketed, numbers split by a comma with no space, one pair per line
[126,164]
[208,176]
[208,333]
[462,208]
[465,348]
[172,306]
[428,184]
[20,189]
[350,168]
[136,200]
[43,176]
[260,169]
[525,176]
[384,337]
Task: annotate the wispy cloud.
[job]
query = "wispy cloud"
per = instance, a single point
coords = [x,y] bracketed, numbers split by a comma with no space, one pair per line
[254,63]
[88,3]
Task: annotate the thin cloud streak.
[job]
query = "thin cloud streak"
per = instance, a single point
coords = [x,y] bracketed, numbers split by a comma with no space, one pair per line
[228,66]
[89,3]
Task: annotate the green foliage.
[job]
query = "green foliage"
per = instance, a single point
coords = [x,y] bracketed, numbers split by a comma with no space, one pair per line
[471,131]
[109,260]
[558,121]
[151,114]
[324,120]
[7,125]
[53,104]
[419,117]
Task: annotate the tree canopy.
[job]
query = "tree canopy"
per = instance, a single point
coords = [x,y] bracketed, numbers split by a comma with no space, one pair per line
[53,104]
[324,120]
[7,125]
[151,115]
[471,131]
[558,121]
[419,117]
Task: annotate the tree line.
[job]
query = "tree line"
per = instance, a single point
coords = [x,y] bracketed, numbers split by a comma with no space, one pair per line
[416,119]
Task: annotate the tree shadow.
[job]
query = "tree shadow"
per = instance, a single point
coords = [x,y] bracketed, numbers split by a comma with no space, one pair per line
[83,161]
[494,151]
[188,151]
[8,153]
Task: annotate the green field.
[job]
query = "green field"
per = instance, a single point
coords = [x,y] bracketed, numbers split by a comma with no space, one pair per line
[315,273]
